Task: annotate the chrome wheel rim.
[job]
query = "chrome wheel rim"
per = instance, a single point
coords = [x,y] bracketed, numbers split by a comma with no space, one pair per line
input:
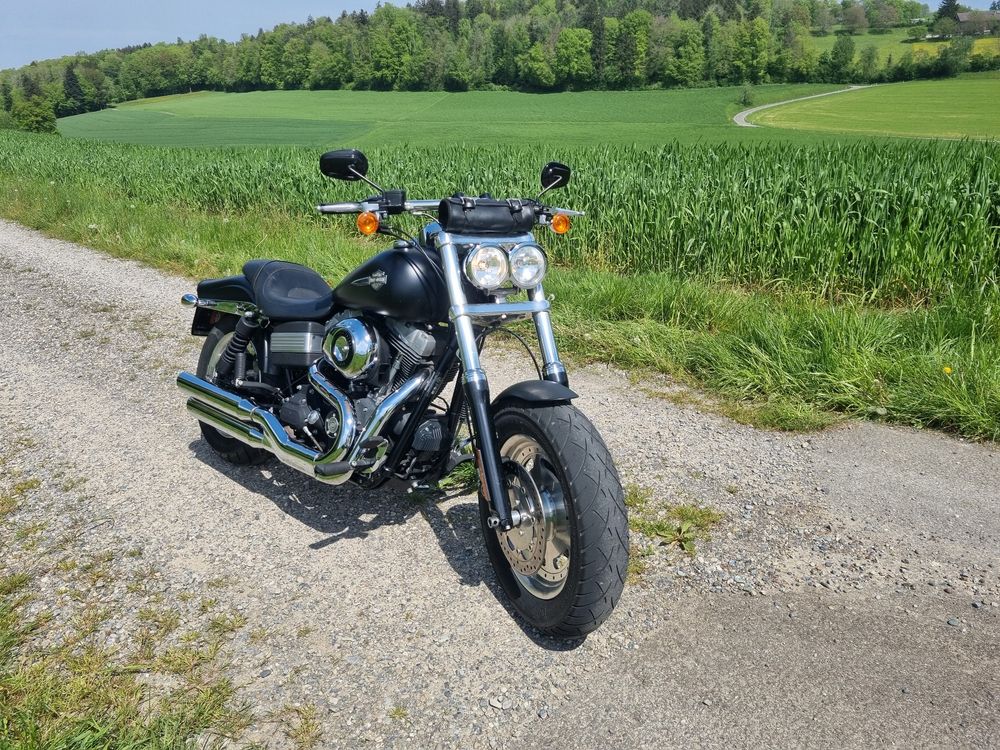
[538,551]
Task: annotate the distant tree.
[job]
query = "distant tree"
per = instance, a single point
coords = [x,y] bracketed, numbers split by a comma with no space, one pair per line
[687,66]
[758,50]
[72,99]
[954,58]
[453,12]
[855,20]
[458,69]
[29,86]
[886,16]
[945,26]
[995,5]
[948,9]
[868,64]
[611,74]
[6,100]
[632,48]
[800,54]
[34,114]
[294,63]
[533,68]
[710,28]
[482,52]
[841,58]
[328,68]
[573,64]
[823,19]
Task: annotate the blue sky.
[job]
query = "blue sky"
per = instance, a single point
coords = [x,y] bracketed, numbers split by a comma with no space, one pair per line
[39,29]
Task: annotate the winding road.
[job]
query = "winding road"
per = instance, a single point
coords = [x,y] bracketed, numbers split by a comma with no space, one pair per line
[740,118]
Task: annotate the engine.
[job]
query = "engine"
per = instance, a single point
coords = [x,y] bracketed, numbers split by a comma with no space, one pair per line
[372,361]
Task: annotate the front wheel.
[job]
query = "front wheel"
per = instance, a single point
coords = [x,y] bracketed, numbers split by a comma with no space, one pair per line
[565,570]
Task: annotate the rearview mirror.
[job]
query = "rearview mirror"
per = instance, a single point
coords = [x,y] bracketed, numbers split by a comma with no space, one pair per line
[345,164]
[555,175]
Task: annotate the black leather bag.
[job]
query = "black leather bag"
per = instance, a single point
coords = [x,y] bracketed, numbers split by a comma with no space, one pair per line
[464,215]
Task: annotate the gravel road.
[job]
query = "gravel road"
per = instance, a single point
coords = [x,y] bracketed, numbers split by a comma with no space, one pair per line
[740,118]
[850,597]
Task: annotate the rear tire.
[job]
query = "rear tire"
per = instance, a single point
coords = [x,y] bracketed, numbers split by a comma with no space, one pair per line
[559,470]
[230,449]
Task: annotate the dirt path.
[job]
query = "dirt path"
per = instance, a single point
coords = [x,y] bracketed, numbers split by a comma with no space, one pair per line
[818,615]
[740,118]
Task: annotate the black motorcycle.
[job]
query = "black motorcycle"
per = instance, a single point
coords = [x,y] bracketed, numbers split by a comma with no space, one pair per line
[346,384]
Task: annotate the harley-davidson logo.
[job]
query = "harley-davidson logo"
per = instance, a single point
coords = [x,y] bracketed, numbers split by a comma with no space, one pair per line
[376,280]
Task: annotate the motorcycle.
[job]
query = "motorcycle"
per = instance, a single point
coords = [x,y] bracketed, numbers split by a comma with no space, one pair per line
[346,384]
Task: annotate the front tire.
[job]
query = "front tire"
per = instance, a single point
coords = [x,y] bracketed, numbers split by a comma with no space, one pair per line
[565,572]
[229,448]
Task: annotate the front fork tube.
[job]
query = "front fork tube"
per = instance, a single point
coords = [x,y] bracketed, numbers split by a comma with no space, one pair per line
[476,386]
[477,393]
[553,369]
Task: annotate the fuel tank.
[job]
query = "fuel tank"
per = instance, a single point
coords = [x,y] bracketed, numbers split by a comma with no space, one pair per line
[400,283]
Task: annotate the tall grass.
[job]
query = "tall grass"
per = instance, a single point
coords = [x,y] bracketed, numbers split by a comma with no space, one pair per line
[881,221]
[785,348]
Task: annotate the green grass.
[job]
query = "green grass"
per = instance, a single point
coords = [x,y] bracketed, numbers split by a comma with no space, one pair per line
[676,524]
[885,221]
[968,107]
[893,44]
[63,686]
[787,350]
[367,118]
[890,44]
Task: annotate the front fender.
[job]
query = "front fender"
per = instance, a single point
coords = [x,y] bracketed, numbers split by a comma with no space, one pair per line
[537,392]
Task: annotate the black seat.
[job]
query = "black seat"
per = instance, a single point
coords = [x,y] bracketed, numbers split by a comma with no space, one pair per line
[288,291]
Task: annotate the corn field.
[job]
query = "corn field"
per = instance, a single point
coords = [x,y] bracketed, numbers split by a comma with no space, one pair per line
[884,221]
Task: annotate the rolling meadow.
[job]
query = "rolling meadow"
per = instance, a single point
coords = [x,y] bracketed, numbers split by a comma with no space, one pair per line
[796,279]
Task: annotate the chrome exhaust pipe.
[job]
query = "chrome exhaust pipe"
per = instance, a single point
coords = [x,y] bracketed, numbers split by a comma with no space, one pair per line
[241,419]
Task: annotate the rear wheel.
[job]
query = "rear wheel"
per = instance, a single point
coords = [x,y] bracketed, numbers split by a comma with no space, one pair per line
[228,448]
[565,570]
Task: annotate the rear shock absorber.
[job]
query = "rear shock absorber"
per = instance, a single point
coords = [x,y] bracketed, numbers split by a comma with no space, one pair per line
[236,349]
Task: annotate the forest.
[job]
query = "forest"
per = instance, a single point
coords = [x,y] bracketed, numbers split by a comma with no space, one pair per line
[509,44]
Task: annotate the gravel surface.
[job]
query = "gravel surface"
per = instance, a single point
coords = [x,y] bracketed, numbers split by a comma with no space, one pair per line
[849,597]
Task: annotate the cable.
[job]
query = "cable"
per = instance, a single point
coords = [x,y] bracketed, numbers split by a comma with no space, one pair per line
[495,328]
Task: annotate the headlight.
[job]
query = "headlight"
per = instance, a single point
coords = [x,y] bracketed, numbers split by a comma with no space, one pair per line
[487,267]
[527,266]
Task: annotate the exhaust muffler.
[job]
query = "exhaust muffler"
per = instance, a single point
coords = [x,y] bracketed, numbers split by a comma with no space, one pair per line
[243,420]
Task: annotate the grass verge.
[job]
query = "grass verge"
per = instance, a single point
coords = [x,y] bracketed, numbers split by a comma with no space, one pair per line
[65,684]
[774,358]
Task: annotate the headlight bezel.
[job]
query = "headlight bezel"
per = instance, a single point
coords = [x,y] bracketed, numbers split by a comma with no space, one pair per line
[535,250]
[507,255]
[470,271]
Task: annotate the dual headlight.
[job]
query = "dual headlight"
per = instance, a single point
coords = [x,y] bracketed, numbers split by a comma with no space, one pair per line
[490,267]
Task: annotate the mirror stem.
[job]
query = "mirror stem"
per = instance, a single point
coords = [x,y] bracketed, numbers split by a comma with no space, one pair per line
[362,177]
[547,189]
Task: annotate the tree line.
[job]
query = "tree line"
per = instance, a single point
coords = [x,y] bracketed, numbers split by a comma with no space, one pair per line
[500,44]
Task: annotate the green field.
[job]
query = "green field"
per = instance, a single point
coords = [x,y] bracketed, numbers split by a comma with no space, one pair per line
[364,118]
[859,277]
[968,107]
[794,273]
[892,43]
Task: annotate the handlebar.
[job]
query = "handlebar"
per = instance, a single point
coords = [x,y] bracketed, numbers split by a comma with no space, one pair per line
[417,206]
[357,208]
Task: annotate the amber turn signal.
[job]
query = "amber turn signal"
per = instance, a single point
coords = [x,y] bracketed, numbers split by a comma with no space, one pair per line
[560,223]
[367,223]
